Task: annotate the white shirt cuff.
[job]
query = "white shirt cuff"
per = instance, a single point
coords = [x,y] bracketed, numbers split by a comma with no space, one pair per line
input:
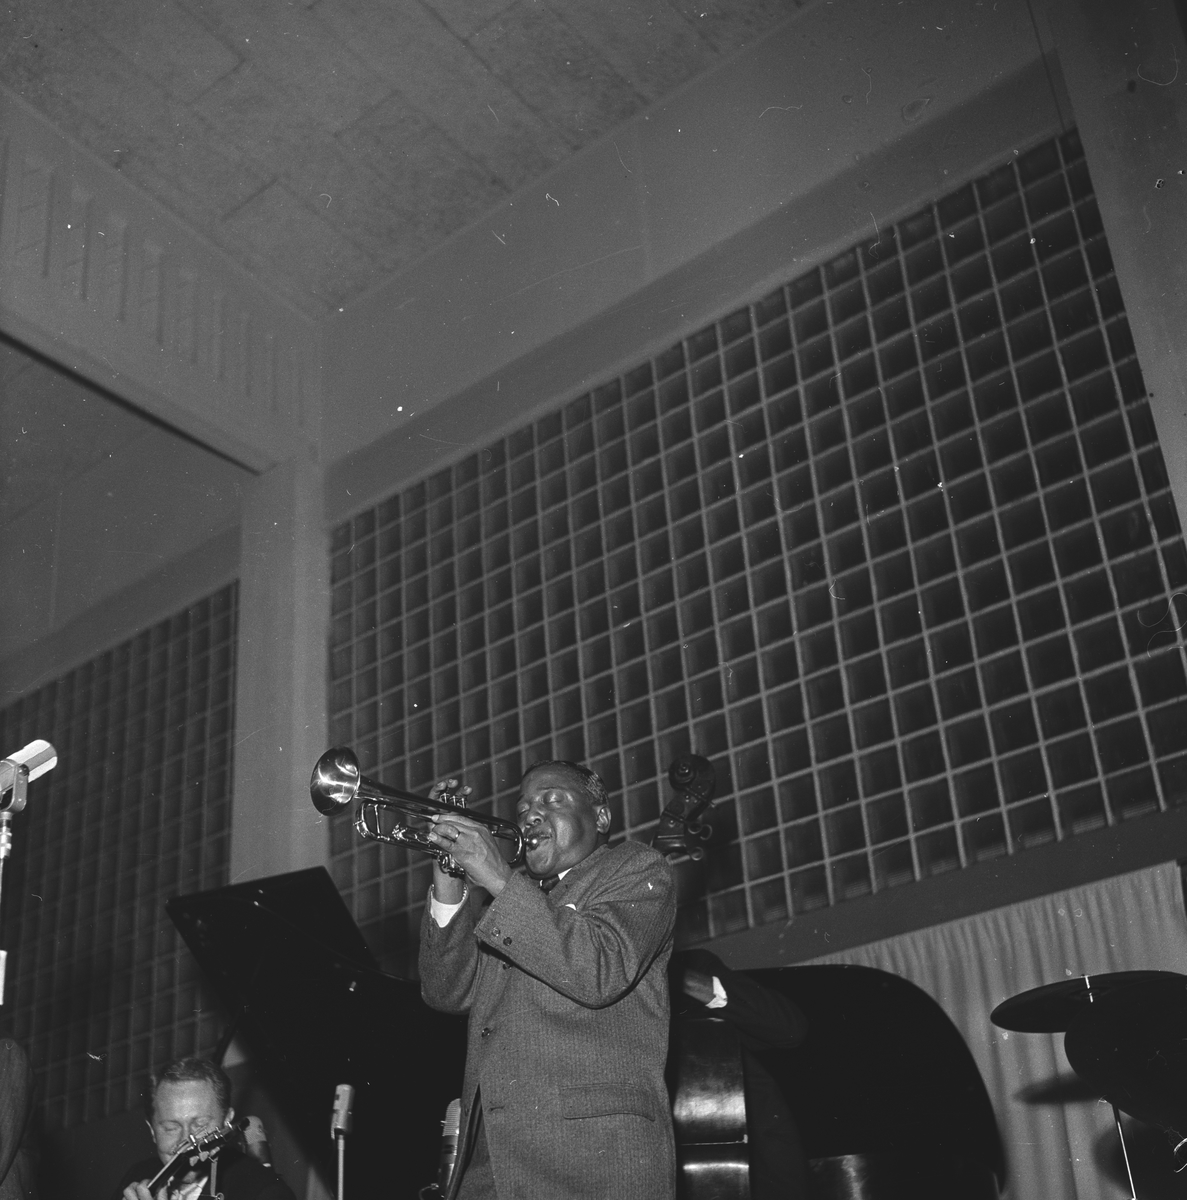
[444,913]
[720,999]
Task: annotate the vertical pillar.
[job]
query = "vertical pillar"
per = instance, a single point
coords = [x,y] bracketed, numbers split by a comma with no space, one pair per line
[280,698]
[1125,67]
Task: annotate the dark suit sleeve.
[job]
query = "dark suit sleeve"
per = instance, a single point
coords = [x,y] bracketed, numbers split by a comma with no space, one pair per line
[761,1014]
[594,949]
[448,960]
[16,1094]
[276,1190]
[139,1172]
[250,1180]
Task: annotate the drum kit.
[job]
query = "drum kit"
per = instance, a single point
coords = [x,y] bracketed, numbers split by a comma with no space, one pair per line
[1125,1035]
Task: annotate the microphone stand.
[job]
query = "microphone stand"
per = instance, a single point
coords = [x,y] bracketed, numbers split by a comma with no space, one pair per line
[16,803]
[341,1124]
[30,762]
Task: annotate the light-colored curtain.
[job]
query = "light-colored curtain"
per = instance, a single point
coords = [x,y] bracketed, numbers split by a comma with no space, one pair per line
[1128,923]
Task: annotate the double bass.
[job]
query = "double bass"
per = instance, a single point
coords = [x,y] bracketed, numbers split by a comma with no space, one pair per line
[705,1057]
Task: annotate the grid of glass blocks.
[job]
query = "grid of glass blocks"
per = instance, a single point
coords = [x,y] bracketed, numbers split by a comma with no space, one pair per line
[100,987]
[893,545]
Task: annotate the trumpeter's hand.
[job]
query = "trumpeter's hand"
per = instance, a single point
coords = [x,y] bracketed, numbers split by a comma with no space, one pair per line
[448,889]
[473,848]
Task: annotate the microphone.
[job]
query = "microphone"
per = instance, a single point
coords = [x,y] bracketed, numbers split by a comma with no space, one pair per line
[450,1129]
[343,1119]
[27,764]
[255,1141]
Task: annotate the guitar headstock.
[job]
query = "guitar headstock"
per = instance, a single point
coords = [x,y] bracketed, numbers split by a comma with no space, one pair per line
[197,1149]
[204,1145]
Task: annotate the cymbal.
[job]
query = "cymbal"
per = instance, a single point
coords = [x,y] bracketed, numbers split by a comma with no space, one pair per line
[1053,1007]
[1131,1045]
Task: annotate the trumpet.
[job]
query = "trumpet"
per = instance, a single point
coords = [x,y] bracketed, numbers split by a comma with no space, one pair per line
[337,782]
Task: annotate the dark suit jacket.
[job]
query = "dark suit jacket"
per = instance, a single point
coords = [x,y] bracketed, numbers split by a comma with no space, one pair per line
[17,1168]
[568,1000]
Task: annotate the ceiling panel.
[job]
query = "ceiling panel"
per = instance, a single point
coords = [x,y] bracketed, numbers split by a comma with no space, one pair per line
[323,144]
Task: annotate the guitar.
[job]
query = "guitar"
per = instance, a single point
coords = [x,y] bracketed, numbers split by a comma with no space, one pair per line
[194,1150]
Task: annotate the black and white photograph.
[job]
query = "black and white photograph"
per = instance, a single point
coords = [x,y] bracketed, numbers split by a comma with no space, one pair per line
[593,599]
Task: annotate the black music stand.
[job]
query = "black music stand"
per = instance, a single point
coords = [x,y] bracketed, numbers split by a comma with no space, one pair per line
[297,978]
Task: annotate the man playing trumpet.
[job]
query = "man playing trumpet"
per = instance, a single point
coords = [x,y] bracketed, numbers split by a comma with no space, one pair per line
[563,973]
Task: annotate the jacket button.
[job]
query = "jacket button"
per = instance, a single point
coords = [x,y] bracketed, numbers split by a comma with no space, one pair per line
[506,966]
[506,941]
[486,1031]
[495,932]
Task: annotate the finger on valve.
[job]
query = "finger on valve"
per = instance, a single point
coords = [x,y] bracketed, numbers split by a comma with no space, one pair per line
[444,827]
[449,787]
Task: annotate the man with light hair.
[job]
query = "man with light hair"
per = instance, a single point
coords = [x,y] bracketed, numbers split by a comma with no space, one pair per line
[191,1098]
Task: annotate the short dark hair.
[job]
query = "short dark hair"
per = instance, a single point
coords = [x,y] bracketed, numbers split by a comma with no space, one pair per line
[192,1070]
[590,780]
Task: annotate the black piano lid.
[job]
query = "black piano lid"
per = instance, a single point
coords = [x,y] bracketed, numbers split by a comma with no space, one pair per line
[288,962]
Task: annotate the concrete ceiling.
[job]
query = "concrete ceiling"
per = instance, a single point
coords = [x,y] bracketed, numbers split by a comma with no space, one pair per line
[324,144]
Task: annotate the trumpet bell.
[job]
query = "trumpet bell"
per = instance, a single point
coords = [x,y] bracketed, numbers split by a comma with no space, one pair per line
[335,780]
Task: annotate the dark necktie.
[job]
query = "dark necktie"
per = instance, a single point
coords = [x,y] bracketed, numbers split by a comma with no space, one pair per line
[546,885]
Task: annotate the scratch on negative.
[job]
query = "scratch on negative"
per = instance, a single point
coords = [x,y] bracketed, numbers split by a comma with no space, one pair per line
[619,153]
[593,262]
[501,239]
[779,108]
[1171,80]
[430,438]
[871,87]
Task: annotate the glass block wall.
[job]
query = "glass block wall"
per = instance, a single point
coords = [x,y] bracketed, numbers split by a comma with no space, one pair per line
[893,545]
[100,988]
